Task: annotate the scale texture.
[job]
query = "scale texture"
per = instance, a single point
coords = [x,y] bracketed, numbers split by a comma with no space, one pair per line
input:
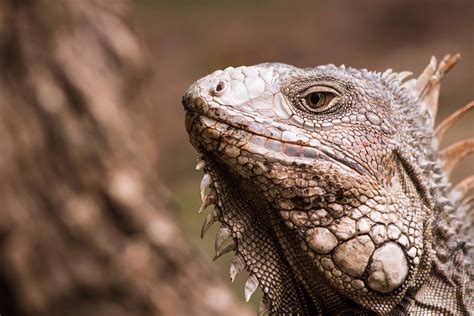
[331,189]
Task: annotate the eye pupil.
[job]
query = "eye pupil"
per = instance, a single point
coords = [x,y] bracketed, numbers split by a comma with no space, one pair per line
[319,100]
[314,99]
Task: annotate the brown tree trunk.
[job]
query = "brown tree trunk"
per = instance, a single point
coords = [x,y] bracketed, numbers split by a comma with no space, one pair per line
[83,226]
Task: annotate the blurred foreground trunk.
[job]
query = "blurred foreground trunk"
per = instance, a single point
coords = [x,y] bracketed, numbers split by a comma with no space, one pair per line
[83,226]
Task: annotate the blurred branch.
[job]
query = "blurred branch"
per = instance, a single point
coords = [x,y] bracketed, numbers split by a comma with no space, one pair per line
[83,226]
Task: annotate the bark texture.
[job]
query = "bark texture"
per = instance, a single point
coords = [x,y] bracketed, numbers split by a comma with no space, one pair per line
[83,226]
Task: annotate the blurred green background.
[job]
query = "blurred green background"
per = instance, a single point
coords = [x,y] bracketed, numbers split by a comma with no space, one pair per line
[186,40]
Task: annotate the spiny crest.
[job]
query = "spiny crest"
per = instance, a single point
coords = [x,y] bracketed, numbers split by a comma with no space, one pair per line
[389,76]
[443,127]
[422,95]
[424,90]
[428,84]
[457,201]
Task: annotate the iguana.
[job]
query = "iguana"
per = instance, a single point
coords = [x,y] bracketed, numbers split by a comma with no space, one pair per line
[332,190]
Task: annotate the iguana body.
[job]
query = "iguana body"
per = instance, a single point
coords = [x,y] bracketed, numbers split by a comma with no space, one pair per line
[330,183]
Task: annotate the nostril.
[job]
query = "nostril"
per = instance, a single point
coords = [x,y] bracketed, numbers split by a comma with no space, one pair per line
[218,89]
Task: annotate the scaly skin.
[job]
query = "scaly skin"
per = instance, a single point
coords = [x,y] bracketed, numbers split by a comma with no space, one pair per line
[330,184]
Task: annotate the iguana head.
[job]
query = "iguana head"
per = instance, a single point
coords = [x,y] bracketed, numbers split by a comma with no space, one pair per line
[317,176]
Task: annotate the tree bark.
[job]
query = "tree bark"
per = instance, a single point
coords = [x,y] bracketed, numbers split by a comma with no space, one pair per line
[84,226]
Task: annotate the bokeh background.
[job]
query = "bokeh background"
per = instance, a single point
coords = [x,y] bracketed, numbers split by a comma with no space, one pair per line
[186,40]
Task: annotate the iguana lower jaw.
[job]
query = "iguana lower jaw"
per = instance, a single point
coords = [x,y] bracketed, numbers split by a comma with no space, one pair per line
[312,177]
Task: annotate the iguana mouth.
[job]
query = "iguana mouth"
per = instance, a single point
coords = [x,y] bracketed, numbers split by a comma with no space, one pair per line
[298,148]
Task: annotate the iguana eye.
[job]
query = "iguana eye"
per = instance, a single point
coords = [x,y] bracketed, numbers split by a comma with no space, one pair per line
[316,100]
[319,100]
